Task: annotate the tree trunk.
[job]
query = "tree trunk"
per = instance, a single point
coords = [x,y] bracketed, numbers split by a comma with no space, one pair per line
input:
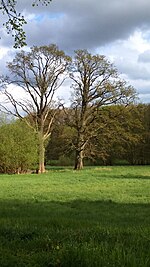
[80,145]
[79,160]
[41,154]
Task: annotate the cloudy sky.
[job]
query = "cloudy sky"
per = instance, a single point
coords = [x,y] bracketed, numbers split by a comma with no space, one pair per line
[119,29]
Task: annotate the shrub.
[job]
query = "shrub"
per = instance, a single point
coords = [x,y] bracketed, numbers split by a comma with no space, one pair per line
[18,150]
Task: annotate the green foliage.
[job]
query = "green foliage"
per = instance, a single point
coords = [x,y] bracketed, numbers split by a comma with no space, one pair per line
[122,135]
[65,161]
[18,150]
[97,217]
[120,128]
[139,153]
[60,143]
[14,24]
[39,73]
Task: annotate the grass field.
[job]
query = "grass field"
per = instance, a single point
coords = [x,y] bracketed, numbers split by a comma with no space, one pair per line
[96,217]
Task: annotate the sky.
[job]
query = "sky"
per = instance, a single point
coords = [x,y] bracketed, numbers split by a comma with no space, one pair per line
[118,29]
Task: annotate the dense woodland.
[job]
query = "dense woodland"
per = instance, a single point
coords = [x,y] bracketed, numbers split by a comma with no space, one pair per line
[122,136]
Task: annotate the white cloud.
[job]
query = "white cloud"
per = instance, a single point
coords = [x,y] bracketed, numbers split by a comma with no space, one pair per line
[125,55]
[118,29]
[144,57]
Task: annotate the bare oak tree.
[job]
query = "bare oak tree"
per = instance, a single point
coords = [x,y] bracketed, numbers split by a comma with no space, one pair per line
[96,83]
[39,73]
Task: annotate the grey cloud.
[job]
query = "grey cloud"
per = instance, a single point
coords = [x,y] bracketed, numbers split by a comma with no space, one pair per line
[85,23]
[74,24]
[143,89]
[128,63]
[135,71]
[5,58]
[89,24]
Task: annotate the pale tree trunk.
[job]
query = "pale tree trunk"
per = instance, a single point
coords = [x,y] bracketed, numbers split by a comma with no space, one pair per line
[41,153]
[78,160]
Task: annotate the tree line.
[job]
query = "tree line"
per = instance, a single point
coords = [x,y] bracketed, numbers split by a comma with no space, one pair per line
[123,137]
[101,101]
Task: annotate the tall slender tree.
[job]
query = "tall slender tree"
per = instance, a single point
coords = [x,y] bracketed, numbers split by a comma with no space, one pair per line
[39,73]
[96,83]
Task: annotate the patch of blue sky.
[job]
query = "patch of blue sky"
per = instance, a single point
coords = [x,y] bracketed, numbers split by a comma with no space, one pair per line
[146,34]
[41,17]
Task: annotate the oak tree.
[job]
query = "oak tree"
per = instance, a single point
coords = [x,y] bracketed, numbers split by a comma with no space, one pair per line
[96,83]
[39,73]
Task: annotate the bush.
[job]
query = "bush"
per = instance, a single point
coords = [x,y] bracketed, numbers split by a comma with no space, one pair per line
[18,150]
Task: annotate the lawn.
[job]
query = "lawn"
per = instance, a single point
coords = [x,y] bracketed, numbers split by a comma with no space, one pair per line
[99,216]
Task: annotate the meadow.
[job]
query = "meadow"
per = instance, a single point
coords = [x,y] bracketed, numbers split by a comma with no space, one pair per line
[99,216]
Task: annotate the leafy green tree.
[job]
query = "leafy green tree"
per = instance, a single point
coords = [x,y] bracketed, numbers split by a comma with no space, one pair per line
[118,131]
[18,150]
[16,21]
[96,83]
[39,73]
[139,153]
[146,137]
[60,144]
[121,128]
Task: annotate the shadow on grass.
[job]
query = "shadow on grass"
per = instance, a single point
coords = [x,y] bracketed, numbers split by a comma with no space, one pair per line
[121,176]
[131,176]
[76,233]
[102,212]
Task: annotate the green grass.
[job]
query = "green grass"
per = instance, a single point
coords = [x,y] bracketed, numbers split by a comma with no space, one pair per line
[96,217]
